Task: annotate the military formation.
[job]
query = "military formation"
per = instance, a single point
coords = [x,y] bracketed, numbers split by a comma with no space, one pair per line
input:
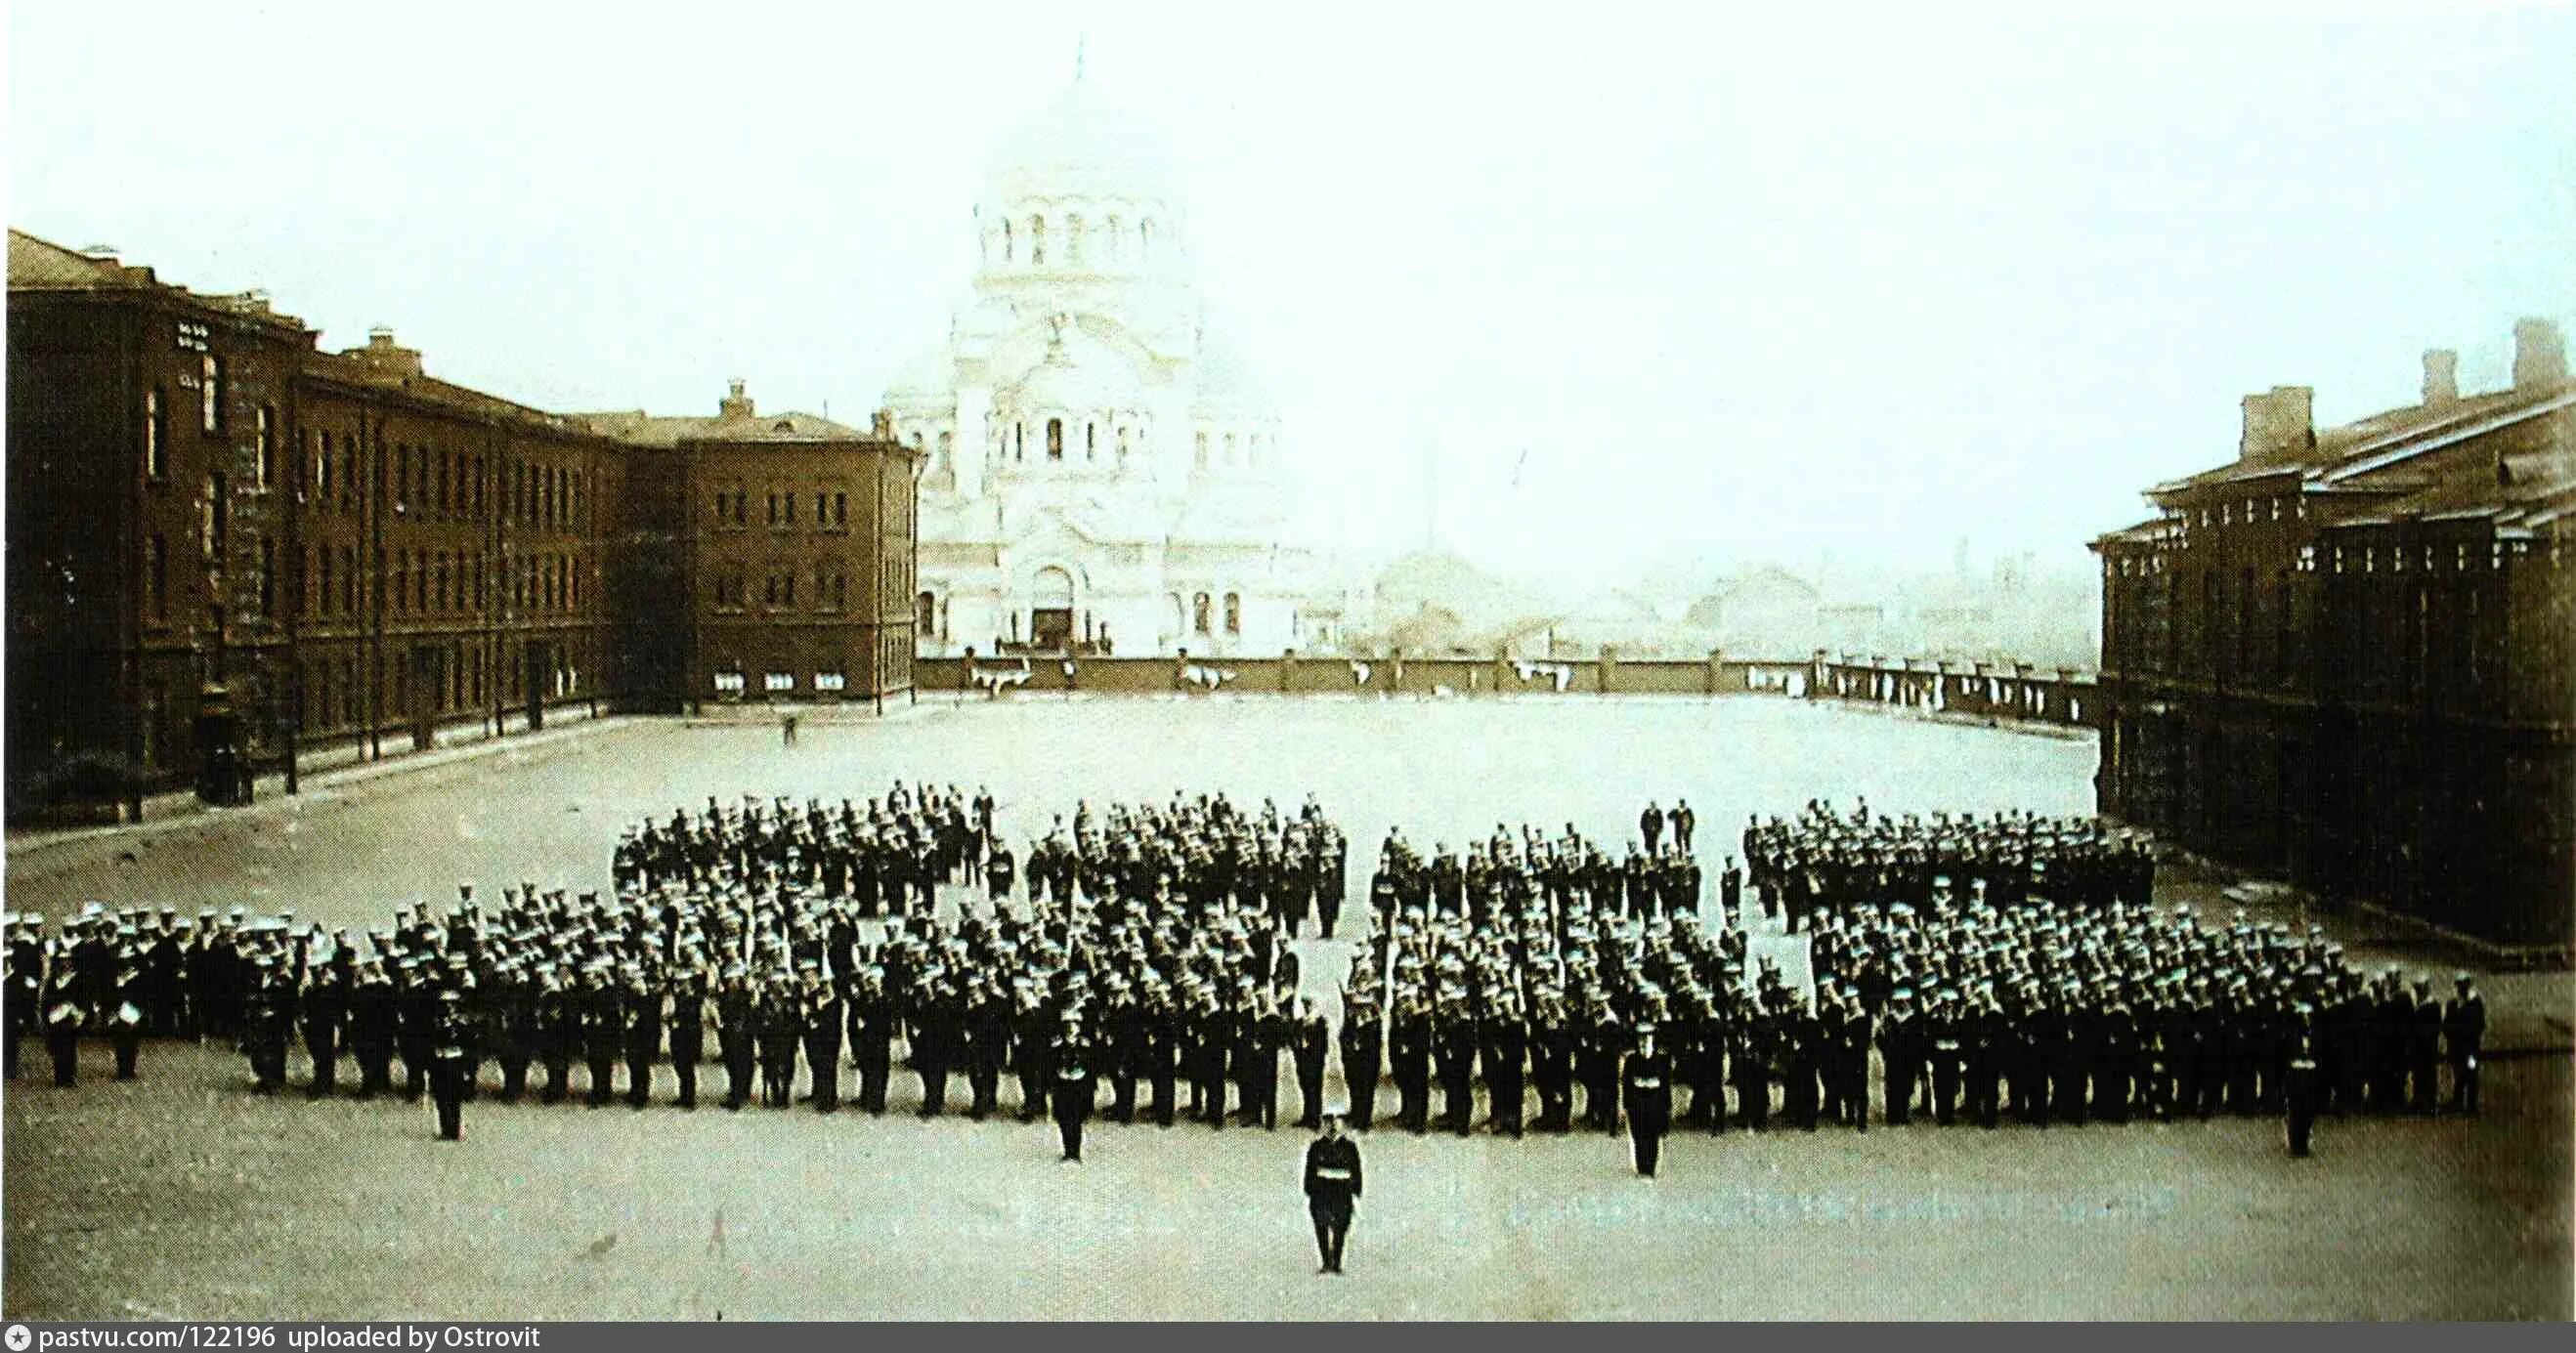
[1539,971]
[1961,970]
[1825,859]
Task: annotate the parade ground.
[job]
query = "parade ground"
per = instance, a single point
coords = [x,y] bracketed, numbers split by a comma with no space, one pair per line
[183,1195]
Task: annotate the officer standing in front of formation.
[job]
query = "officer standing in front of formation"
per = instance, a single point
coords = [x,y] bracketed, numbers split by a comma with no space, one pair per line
[1071,1056]
[1332,1189]
[1650,1099]
[447,1066]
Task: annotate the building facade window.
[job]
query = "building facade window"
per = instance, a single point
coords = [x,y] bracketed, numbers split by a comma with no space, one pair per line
[1055,439]
[159,567]
[265,464]
[1199,613]
[1233,613]
[156,435]
[215,519]
[210,392]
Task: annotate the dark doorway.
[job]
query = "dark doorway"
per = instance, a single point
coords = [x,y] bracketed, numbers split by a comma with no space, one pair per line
[540,669]
[427,682]
[1051,628]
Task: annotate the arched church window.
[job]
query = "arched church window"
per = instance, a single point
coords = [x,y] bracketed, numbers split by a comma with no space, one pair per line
[1145,238]
[1231,458]
[1234,613]
[1199,613]
[1091,441]
[1037,241]
[1200,459]
[1073,240]
[1122,443]
[1055,439]
[1180,619]
[1117,240]
[1019,442]
[945,443]
[1006,242]
[925,615]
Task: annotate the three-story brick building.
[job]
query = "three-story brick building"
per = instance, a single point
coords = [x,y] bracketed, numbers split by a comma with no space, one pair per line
[218,531]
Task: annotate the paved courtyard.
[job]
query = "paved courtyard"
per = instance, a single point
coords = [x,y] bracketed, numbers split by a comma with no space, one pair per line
[183,1195]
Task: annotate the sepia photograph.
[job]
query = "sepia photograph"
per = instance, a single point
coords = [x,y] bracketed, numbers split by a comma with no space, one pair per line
[1136,662]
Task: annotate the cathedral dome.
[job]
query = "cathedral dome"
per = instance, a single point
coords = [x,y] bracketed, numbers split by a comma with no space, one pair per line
[1079,145]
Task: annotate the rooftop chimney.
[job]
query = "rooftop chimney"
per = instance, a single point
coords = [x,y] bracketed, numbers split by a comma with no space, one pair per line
[736,404]
[2279,425]
[385,357]
[2539,355]
[2441,378]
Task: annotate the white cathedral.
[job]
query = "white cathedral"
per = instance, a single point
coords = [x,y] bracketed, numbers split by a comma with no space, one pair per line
[1099,474]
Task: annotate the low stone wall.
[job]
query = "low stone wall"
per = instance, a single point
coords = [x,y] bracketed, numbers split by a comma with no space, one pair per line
[1985,690]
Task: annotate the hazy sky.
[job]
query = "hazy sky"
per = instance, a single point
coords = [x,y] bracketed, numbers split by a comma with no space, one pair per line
[1638,286]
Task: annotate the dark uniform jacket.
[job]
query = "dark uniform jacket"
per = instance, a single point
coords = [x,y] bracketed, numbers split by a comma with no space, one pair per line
[1333,1171]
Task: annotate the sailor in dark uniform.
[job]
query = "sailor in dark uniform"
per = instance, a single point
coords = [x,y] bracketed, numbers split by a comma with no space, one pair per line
[1072,1055]
[1649,1076]
[1333,1183]
[1363,1050]
[2301,1086]
[447,1065]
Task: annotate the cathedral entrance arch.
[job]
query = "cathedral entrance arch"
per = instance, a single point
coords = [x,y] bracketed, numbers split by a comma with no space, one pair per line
[1051,609]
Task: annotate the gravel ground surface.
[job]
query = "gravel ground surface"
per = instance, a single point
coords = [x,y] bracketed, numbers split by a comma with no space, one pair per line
[182,1195]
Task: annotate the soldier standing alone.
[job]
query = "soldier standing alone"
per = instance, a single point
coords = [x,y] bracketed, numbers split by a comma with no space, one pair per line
[1332,1189]
[1650,1099]
[447,1066]
[1074,1092]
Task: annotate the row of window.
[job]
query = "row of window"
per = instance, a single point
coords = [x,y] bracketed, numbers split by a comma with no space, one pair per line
[2248,512]
[829,590]
[428,482]
[2427,558]
[731,507]
[731,682]
[212,397]
[1012,440]
[1200,613]
[1108,240]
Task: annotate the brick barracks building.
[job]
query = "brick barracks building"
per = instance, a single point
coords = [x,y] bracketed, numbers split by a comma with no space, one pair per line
[220,535]
[2344,658]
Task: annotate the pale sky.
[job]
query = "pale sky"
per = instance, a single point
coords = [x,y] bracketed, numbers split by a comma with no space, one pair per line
[1710,288]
